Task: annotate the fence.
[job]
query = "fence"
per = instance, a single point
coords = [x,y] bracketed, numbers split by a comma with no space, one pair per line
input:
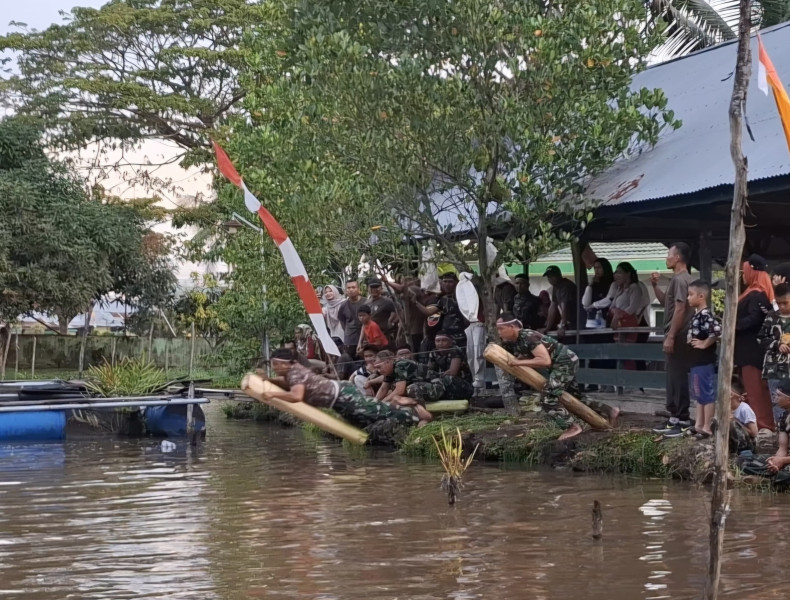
[54,356]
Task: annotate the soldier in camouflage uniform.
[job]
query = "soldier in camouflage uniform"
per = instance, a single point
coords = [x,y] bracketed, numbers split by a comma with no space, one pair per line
[407,382]
[342,396]
[777,467]
[448,359]
[533,349]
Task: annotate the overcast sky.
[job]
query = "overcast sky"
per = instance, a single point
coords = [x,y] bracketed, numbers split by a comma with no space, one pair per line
[38,14]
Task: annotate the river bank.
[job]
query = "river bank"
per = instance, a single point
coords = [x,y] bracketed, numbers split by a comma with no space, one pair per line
[632,449]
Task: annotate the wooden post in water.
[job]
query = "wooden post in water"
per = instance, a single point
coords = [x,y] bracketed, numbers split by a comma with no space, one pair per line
[597,520]
[719,503]
[33,359]
[191,433]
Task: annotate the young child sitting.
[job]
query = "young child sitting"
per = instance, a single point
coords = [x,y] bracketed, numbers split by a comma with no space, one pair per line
[371,332]
[704,331]
[365,377]
[743,426]
[774,337]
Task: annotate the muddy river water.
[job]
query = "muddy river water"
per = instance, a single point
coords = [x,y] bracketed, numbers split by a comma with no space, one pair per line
[259,511]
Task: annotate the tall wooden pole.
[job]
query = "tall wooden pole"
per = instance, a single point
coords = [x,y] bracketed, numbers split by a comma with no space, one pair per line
[719,503]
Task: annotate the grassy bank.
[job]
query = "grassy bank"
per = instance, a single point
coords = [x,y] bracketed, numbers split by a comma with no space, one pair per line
[632,450]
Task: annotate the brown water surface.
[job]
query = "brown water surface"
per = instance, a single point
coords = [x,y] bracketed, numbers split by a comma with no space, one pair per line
[264,512]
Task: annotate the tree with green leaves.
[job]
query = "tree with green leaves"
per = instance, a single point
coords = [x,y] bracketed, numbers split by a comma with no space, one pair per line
[64,248]
[435,119]
[135,69]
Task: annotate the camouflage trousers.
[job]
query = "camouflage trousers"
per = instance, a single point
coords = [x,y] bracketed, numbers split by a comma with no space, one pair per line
[445,387]
[560,378]
[740,440]
[361,411]
[758,465]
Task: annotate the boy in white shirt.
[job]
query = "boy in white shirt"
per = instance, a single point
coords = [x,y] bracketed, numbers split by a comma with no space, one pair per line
[743,426]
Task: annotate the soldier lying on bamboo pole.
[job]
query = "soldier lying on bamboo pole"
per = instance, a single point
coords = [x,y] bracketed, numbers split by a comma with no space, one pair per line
[343,397]
[538,351]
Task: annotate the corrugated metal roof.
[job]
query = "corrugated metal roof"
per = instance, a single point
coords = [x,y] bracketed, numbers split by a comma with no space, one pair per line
[697,155]
[614,252]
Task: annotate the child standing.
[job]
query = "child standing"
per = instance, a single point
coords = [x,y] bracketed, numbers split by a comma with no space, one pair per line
[371,332]
[774,337]
[704,331]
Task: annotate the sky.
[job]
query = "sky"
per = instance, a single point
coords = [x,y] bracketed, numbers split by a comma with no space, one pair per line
[38,14]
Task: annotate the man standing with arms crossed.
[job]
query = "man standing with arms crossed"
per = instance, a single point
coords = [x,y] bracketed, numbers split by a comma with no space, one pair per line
[677,316]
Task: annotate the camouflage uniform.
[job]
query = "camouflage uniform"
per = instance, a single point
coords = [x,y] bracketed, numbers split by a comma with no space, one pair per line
[425,385]
[561,377]
[757,464]
[345,399]
[360,410]
[440,361]
[740,440]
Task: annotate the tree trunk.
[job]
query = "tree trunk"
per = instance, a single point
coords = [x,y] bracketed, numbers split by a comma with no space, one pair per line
[63,323]
[719,503]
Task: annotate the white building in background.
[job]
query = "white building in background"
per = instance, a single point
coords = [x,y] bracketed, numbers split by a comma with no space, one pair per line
[152,170]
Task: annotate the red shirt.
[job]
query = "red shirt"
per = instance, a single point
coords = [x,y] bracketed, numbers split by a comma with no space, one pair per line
[373,335]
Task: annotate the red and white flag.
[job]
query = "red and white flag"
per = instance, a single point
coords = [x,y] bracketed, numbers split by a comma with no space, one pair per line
[768,77]
[293,264]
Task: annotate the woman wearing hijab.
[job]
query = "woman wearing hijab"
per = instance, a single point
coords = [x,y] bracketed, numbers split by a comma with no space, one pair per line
[754,303]
[333,299]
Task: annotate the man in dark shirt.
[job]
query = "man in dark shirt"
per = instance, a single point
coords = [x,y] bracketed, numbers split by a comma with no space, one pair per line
[526,305]
[347,315]
[564,309]
[381,307]
[452,322]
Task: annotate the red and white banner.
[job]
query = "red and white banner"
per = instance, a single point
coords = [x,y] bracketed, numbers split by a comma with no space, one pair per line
[293,264]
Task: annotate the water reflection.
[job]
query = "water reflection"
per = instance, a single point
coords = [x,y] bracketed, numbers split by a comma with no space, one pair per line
[264,512]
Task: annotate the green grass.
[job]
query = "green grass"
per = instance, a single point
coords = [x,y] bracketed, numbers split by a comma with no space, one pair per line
[250,410]
[633,453]
[419,442]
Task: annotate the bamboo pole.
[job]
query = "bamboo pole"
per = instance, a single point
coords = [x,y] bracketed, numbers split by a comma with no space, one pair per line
[497,355]
[167,356]
[192,351]
[255,386]
[447,406]
[719,502]
[112,350]
[16,356]
[33,359]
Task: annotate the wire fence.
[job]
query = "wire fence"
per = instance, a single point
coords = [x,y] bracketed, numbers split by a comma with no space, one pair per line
[58,357]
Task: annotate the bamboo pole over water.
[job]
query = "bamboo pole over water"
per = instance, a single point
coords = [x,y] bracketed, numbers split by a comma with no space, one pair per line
[255,386]
[719,502]
[497,355]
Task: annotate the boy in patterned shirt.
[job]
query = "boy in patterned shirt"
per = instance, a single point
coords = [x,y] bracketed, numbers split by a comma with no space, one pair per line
[703,333]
